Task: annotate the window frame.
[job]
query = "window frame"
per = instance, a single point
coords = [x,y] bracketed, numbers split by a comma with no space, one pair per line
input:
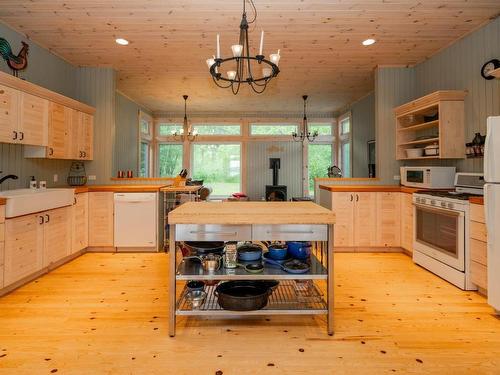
[148,139]
[271,123]
[238,124]
[343,139]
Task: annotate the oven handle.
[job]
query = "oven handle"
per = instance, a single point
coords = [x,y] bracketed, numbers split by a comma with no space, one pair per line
[439,210]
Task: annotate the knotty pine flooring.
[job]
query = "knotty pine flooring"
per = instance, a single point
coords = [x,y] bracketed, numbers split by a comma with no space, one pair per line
[107,314]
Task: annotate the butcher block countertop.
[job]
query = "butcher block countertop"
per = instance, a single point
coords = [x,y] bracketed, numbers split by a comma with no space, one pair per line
[476,200]
[370,188]
[118,188]
[238,213]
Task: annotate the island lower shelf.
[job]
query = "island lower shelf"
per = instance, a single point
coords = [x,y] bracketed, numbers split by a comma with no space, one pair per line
[290,298]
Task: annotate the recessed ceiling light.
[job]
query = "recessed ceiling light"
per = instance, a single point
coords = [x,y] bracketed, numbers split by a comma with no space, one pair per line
[368,42]
[121,41]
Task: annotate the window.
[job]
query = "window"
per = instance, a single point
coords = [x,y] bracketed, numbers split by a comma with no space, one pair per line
[167,129]
[272,129]
[219,166]
[320,157]
[144,160]
[322,129]
[345,145]
[169,159]
[217,129]
[145,141]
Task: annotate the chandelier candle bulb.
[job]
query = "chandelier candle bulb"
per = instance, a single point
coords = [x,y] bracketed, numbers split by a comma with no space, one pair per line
[237,50]
[266,72]
[218,46]
[210,62]
[231,74]
[261,42]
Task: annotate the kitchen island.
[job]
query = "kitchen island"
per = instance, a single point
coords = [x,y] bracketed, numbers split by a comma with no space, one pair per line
[254,221]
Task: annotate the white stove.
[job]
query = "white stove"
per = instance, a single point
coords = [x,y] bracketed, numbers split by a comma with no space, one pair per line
[441,229]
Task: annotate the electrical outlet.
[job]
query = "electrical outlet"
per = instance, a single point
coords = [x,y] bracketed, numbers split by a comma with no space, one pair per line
[56,178]
[92,177]
[397,178]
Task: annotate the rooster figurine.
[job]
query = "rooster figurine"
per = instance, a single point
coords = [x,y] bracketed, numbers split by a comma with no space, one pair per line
[16,63]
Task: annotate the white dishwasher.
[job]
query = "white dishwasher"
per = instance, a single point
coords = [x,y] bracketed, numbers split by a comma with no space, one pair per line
[136,221]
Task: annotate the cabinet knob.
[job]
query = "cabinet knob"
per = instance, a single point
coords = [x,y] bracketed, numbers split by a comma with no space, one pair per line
[351,198]
[51,151]
[41,220]
[357,197]
[47,217]
[14,137]
[84,154]
[22,136]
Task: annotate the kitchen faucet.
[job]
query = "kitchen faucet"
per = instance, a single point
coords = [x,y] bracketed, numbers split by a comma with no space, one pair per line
[11,176]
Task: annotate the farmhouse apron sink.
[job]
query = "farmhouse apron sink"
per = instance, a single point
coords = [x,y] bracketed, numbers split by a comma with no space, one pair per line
[27,201]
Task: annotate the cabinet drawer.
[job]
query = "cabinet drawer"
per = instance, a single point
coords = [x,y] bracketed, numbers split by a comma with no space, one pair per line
[479,274]
[212,232]
[478,231]
[290,232]
[2,232]
[479,251]
[477,213]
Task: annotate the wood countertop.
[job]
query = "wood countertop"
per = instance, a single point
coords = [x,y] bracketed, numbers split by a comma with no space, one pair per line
[116,188]
[3,201]
[238,213]
[181,189]
[371,188]
[476,200]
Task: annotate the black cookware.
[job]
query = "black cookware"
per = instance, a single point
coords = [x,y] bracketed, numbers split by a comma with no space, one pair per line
[244,295]
[205,247]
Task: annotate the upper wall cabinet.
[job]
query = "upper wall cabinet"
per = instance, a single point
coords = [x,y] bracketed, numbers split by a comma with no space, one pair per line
[431,127]
[51,125]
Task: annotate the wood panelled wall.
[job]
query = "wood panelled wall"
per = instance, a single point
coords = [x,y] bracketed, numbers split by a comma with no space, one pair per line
[96,87]
[363,130]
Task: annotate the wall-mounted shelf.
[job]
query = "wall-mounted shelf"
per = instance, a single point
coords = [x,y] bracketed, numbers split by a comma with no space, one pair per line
[442,111]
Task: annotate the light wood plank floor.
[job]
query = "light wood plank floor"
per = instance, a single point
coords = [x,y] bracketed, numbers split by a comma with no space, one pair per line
[106,314]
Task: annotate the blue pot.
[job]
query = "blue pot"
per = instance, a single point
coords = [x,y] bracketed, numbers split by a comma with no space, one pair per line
[299,249]
[277,252]
[249,252]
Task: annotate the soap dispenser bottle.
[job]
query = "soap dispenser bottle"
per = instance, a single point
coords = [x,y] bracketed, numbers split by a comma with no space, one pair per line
[32,183]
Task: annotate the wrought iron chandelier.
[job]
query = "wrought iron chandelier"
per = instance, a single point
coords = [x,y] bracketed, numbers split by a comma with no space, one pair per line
[190,136]
[245,65]
[305,133]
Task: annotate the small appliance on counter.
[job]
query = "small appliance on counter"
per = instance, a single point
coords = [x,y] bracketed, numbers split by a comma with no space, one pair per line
[441,234]
[492,208]
[428,177]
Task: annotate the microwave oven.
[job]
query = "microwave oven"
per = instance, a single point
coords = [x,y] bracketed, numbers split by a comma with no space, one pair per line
[428,177]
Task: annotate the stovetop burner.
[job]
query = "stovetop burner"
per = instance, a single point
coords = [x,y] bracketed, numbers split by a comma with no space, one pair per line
[447,194]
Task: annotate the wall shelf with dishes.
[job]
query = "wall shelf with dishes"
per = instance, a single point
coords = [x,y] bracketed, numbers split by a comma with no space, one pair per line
[431,127]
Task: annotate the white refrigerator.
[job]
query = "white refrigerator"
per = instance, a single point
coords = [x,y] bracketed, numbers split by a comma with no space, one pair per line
[492,207]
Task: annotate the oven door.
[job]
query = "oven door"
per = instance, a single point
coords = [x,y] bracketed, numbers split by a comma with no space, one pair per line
[439,233]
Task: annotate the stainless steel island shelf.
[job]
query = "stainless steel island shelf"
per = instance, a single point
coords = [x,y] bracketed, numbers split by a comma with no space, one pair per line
[289,298]
[192,270]
[297,294]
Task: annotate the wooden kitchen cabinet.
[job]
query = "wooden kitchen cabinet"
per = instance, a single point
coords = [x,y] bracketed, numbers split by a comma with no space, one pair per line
[9,114]
[34,120]
[23,247]
[407,221]
[388,219]
[343,206]
[2,244]
[478,242]
[80,223]
[57,235]
[82,130]
[365,219]
[59,144]
[101,219]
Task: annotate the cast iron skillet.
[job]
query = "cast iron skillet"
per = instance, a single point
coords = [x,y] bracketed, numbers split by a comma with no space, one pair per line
[205,247]
[244,295]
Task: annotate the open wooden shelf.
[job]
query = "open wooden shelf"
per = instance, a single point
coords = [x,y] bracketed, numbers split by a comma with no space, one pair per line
[422,126]
[446,110]
[420,142]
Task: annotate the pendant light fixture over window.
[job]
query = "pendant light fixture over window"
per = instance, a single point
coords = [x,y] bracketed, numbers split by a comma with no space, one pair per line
[181,135]
[242,67]
[305,133]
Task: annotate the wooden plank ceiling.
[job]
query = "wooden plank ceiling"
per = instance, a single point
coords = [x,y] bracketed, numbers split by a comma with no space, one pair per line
[320,44]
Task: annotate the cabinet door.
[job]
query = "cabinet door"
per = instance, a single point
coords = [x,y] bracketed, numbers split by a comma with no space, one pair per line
[407,221]
[23,247]
[34,123]
[57,235]
[388,219]
[80,222]
[2,257]
[343,206]
[87,136]
[101,211]
[75,135]
[365,219]
[59,143]
[9,114]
